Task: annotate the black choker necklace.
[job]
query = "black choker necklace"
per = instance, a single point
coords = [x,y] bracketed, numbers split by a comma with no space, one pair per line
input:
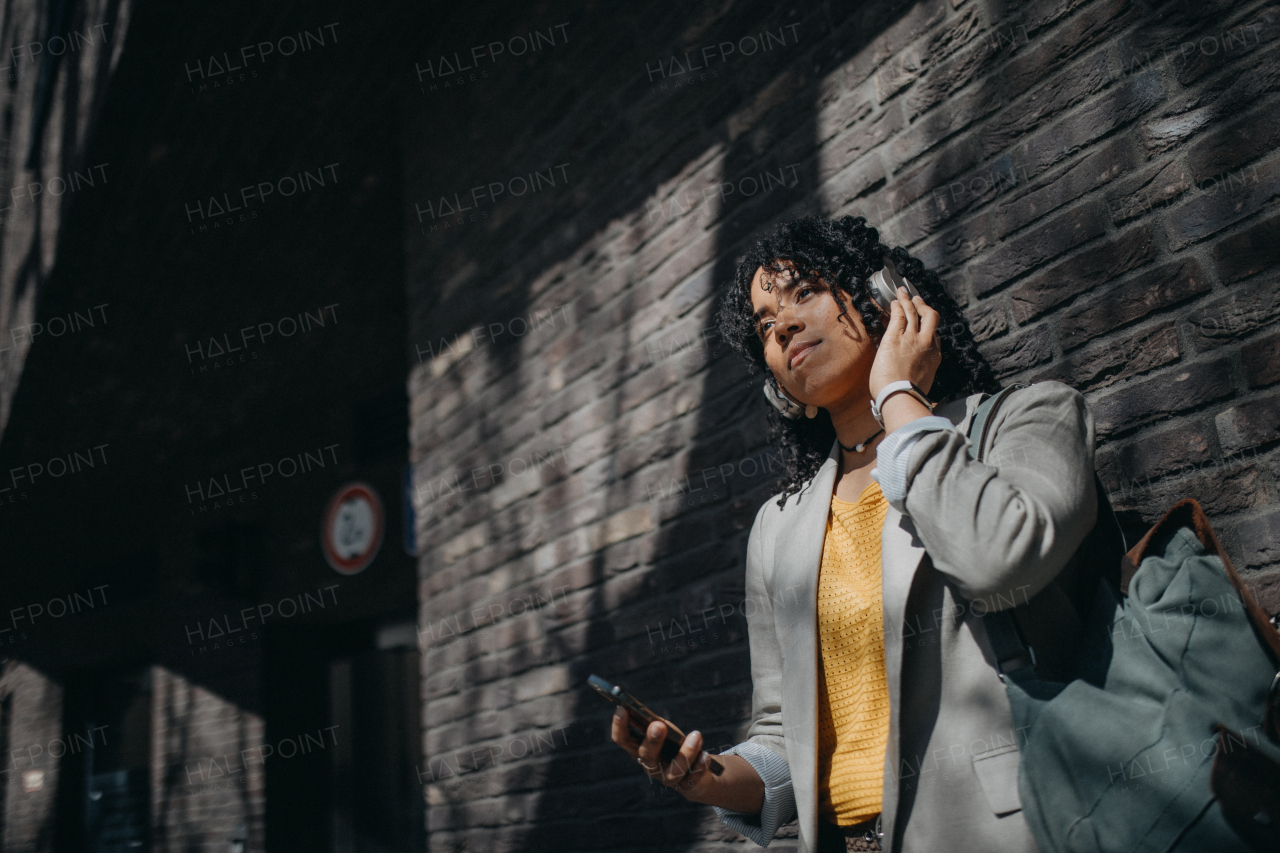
[858,448]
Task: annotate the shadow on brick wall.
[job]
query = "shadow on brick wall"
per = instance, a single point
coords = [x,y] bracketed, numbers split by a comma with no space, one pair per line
[682,176]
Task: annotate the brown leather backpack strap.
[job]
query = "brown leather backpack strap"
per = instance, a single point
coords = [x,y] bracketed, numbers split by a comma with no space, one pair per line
[1185,513]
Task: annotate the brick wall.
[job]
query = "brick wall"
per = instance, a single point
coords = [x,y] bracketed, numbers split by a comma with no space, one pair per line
[30,776]
[1095,180]
[43,145]
[207,777]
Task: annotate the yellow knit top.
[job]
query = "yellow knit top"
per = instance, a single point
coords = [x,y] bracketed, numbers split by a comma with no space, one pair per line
[853,693]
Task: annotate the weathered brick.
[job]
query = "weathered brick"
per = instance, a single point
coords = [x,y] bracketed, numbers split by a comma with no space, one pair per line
[665,245]
[1226,149]
[1219,96]
[893,39]
[1053,97]
[956,32]
[949,118]
[1137,196]
[836,112]
[1039,14]
[908,66]
[1211,209]
[1027,251]
[1106,113]
[1259,540]
[1094,170]
[1154,456]
[1265,588]
[988,321]
[1253,250]
[951,76]
[1220,490]
[1083,31]
[851,183]
[1008,35]
[861,137]
[1162,396]
[956,246]
[1013,354]
[778,92]
[1123,358]
[649,382]
[1266,591]
[576,355]
[1081,273]
[1054,371]
[1151,291]
[583,398]
[1162,36]
[1220,46]
[899,73]
[1249,307]
[1249,424]
[931,174]
[961,100]
[676,270]
[927,215]
[1261,361]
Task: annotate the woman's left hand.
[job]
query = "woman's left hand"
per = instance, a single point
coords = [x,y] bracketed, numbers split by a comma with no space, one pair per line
[911,348]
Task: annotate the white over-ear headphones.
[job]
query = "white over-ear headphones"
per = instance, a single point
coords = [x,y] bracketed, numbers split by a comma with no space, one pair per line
[883,287]
[790,407]
[884,283]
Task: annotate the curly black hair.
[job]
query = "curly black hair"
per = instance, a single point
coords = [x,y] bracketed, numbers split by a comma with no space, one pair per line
[844,253]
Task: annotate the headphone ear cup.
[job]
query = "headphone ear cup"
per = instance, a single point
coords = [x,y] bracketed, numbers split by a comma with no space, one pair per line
[884,284]
[881,292]
[783,404]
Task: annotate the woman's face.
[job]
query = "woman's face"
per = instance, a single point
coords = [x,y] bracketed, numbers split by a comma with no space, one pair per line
[818,356]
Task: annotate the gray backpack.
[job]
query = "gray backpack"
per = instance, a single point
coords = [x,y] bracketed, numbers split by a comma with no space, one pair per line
[1166,736]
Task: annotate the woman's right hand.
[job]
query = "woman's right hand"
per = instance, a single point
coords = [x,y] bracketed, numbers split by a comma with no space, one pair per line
[687,772]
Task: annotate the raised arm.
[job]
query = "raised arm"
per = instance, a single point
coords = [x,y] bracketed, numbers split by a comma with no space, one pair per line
[1003,528]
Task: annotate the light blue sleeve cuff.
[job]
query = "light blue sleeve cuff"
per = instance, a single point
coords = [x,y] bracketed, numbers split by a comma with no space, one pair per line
[779,800]
[892,455]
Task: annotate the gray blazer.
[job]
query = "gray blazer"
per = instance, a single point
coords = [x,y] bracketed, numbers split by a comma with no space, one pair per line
[967,537]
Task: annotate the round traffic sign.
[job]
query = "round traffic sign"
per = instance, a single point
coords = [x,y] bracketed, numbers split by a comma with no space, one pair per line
[352,530]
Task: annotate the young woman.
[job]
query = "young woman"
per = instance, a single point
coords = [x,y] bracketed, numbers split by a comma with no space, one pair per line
[880,720]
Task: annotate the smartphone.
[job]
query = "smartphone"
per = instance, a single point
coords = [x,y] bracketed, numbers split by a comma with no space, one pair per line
[675,738]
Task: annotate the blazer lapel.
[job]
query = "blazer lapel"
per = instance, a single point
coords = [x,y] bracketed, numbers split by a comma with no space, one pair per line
[797,560]
[901,555]
[798,556]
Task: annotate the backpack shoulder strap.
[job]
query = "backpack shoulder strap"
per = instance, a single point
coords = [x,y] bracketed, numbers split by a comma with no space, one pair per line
[982,418]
